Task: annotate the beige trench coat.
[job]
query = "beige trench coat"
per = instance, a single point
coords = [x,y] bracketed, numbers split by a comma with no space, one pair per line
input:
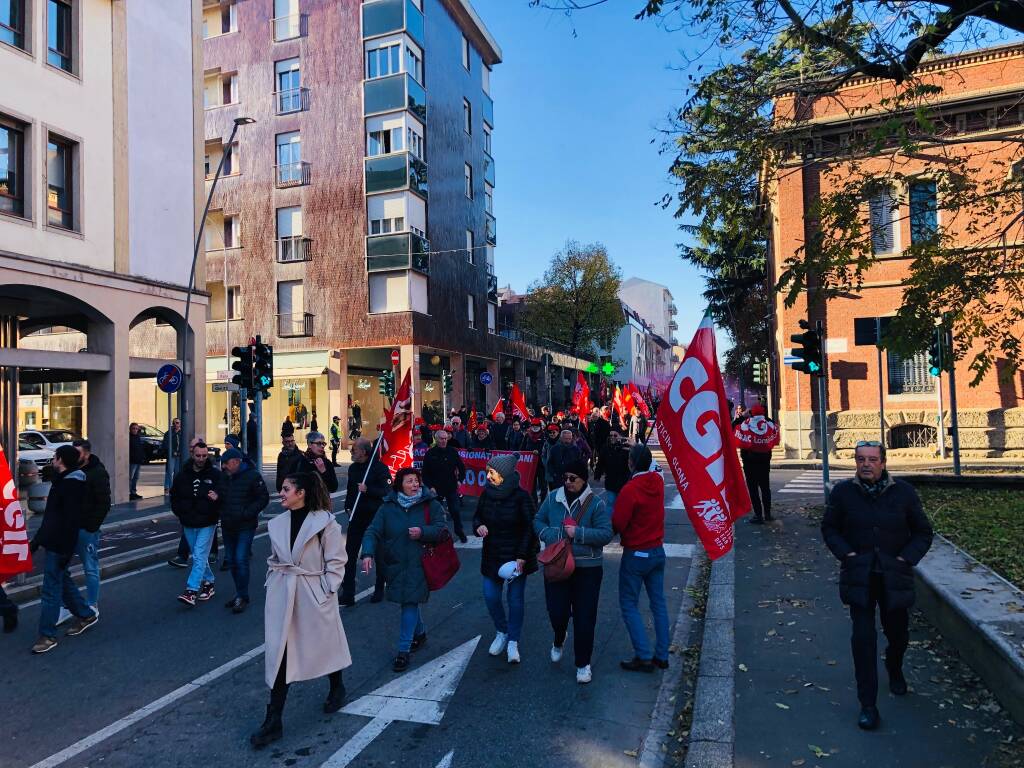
[302,602]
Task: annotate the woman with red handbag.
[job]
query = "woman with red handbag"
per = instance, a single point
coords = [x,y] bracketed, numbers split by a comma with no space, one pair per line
[405,528]
[574,524]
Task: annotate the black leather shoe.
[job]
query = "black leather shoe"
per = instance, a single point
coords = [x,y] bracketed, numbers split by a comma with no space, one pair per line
[335,699]
[346,601]
[637,664]
[756,521]
[377,596]
[660,663]
[401,662]
[868,719]
[897,682]
[462,537]
[271,730]
[418,641]
[10,620]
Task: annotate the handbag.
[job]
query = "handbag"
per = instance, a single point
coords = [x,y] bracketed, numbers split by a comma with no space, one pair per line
[440,561]
[557,559]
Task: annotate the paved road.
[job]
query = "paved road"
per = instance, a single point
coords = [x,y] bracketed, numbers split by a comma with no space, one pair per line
[147,647]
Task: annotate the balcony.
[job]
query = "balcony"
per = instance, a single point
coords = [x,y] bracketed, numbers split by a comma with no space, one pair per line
[292,100]
[490,229]
[291,175]
[383,17]
[673,325]
[672,309]
[293,249]
[400,170]
[400,251]
[489,170]
[289,326]
[488,110]
[389,94]
[289,27]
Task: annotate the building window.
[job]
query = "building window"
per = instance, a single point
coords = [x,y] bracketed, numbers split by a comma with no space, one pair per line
[471,311]
[60,183]
[470,247]
[12,169]
[414,64]
[233,299]
[383,142]
[465,53]
[387,226]
[232,232]
[290,307]
[288,81]
[488,198]
[487,138]
[384,61]
[467,116]
[289,234]
[492,318]
[485,79]
[469,181]
[924,214]
[289,158]
[909,376]
[883,209]
[287,20]
[415,143]
[12,23]
[59,25]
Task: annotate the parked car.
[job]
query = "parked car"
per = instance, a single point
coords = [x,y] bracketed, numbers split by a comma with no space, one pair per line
[32,461]
[51,439]
[152,442]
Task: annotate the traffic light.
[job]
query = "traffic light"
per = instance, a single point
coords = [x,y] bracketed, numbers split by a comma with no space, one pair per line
[809,351]
[760,372]
[262,367]
[387,383]
[244,367]
[446,382]
[935,362]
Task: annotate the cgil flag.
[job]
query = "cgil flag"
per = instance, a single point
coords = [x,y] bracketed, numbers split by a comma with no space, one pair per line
[15,557]
[695,432]
[396,443]
[581,399]
[638,400]
[499,407]
[618,405]
[518,403]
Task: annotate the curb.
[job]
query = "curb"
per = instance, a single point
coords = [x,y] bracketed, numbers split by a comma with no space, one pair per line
[712,732]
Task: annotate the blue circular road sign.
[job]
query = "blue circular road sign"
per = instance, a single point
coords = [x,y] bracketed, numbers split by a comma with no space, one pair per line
[486,378]
[169,378]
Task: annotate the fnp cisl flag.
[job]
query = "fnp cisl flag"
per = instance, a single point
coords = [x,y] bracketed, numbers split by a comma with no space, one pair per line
[695,432]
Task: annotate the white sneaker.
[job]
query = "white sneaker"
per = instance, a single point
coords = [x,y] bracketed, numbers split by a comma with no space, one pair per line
[513,652]
[65,616]
[500,639]
[95,609]
[583,674]
[556,654]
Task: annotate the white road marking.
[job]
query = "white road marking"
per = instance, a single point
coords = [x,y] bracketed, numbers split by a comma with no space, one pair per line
[421,696]
[164,535]
[810,482]
[104,549]
[446,761]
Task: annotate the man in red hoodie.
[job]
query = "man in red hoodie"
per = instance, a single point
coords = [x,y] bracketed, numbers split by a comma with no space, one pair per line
[639,519]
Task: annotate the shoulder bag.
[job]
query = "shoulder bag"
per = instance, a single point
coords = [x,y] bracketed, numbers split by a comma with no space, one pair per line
[440,561]
[557,559]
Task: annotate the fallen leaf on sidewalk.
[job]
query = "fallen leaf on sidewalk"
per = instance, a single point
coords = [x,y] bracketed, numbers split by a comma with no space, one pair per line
[630,752]
[798,762]
[743,668]
[818,751]
[781,706]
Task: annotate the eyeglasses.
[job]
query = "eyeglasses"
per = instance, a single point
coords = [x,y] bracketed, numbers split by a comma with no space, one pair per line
[319,443]
[572,478]
[869,444]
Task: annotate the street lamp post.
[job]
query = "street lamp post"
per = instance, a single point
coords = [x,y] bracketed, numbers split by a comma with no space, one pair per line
[239,121]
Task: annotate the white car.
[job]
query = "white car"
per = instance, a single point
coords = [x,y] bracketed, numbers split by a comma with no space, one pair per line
[31,461]
[51,439]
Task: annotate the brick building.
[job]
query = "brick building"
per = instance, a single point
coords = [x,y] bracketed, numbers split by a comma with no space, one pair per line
[979,110]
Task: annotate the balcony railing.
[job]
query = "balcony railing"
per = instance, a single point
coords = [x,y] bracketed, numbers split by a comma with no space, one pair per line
[489,170]
[388,94]
[672,309]
[291,100]
[383,17]
[490,229]
[289,27]
[399,251]
[400,170]
[489,110]
[295,325]
[673,325]
[291,249]
[291,174]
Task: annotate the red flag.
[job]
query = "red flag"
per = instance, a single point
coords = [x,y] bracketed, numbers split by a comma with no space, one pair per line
[396,446]
[581,399]
[472,421]
[14,555]
[619,405]
[518,402]
[498,408]
[638,400]
[695,432]
[627,402]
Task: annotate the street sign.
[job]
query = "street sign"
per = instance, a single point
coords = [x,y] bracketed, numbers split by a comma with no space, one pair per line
[225,386]
[790,359]
[169,378]
[395,357]
[224,375]
[486,378]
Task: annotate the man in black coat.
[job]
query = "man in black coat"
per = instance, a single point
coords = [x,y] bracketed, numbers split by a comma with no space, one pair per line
[95,507]
[613,465]
[600,428]
[245,497]
[315,460]
[481,440]
[875,527]
[515,436]
[370,483]
[499,432]
[196,499]
[443,470]
[286,458]
[136,458]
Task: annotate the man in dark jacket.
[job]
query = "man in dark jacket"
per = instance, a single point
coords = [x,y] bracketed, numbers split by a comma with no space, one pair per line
[481,440]
[95,507]
[285,459]
[335,438]
[369,483]
[315,460]
[600,428]
[173,451]
[136,458]
[443,470]
[58,535]
[875,527]
[459,435]
[515,436]
[613,465]
[499,432]
[196,500]
[560,455]
[245,497]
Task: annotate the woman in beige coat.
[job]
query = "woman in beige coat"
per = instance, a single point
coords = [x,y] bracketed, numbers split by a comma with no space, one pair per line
[304,635]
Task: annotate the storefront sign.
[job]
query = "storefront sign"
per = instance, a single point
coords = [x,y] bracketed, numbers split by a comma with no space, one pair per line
[362,384]
[294,386]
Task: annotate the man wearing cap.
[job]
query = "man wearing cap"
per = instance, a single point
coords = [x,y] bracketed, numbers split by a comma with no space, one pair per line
[560,454]
[245,497]
[335,438]
[459,434]
[482,438]
[443,470]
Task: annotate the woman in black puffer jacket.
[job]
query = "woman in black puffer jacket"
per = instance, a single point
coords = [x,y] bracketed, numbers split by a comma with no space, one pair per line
[504,519]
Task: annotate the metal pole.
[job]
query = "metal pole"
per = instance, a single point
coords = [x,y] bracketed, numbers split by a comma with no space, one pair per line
[942,427]
[881,401]
[227,347]
[258,407]
[823,410]
[799,419]
[373,458]
[954,418]
[243,396]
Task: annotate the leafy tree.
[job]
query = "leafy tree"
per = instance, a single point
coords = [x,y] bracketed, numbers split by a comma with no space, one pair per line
[576,303]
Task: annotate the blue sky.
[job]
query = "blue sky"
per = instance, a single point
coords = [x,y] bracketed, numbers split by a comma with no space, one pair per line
[576,117]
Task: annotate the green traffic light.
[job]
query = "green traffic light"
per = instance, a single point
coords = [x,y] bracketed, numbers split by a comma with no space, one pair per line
[813,366]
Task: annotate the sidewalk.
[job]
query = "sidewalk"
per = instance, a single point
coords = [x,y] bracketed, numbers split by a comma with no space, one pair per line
[796,701]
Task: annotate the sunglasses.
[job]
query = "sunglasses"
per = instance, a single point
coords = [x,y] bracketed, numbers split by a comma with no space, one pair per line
[572,478]
[869,444]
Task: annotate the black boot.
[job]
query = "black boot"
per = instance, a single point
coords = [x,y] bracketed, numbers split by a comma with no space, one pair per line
[271,730]
[869,719]
[378,593]
[335,697]
[346,599]
[897,682]
[11,619]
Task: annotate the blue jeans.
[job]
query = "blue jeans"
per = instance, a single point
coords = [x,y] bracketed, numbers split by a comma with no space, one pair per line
[133,478]
[238,552]
[170,470]
[199,541]
[58,588]
[644,568]
[410,626]
[513,626]
[86,551]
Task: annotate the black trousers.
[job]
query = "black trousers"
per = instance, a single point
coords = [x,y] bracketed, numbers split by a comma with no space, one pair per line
[279,693]
[575,598]
[335,445]
[7,606]
[864,641]
[756,474]
[353,542]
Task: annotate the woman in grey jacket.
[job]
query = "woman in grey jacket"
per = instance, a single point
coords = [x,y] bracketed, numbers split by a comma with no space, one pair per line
[576,513]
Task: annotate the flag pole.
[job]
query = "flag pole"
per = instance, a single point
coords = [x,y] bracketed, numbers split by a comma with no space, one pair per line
[373,458]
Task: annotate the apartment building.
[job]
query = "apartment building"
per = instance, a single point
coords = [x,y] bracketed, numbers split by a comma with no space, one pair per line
[356,215]
[99,197]
[654,303]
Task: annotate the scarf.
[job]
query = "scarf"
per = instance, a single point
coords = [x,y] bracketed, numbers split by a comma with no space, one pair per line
[407,501]
[506,489]
[874,490]
[570,496]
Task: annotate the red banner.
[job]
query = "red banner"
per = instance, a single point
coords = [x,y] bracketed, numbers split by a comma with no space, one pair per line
[618,405]
[396,446]
[638,400]
[14,555]
[476,470]
[581,399]
[518,402]
[756,433]
[471,426]
[695,432]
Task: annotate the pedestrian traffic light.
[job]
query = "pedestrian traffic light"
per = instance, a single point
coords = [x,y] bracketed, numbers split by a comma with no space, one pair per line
[760,372]
[809,351]
[387,383]
[935,362]
[262,367]
[244,367]
[446,382]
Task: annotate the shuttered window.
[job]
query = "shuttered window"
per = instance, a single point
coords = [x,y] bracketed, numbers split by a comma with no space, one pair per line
[883,210]
[909,375]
